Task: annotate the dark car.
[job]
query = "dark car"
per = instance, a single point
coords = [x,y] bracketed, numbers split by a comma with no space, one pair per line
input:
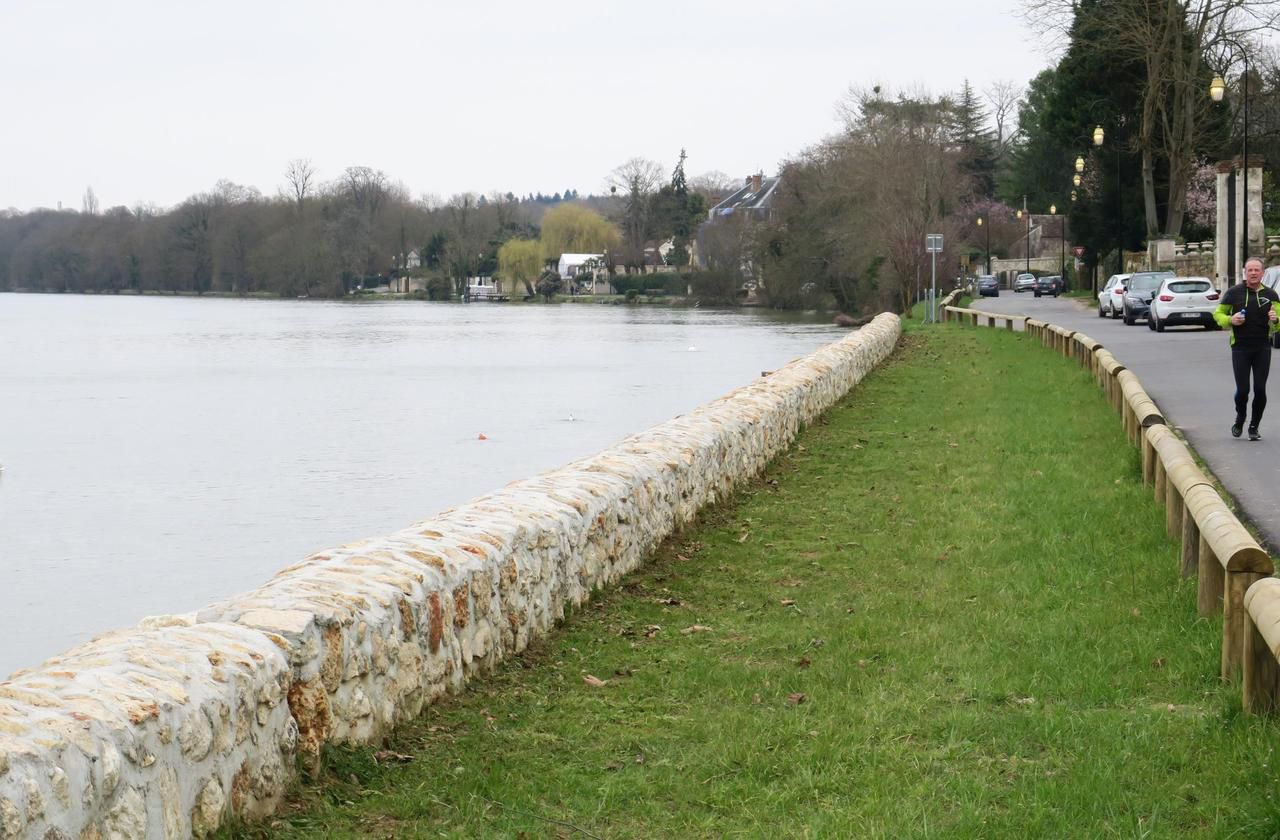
[1139,289]
[988,287]
[1050,284]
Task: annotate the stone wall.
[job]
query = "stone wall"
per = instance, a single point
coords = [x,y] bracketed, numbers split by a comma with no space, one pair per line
[164,729]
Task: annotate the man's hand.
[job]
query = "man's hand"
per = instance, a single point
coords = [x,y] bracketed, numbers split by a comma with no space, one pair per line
[1271,315]
[1237,319]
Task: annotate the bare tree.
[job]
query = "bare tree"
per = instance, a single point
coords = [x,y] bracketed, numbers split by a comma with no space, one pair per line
[1004,97]
[90,202]
[714,185]
[637,179]
[366,188]
[300,175]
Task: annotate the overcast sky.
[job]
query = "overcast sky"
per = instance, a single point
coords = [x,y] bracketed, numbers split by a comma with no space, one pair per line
[154,101]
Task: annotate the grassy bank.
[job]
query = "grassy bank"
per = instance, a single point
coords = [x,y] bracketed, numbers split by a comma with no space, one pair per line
[950,611]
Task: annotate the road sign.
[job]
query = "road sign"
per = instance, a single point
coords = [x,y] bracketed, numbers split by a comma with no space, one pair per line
[1078,250]
[933,243]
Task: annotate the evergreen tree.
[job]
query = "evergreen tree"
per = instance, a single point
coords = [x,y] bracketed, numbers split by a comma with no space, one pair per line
[969,131]
[678,212]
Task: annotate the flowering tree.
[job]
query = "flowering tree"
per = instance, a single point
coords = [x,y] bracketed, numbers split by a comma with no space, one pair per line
[1202,195]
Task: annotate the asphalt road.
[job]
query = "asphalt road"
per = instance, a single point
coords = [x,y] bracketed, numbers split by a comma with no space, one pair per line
[1187,371]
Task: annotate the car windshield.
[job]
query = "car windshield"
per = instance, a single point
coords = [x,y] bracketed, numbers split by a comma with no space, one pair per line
[1146,282]
[1189,287]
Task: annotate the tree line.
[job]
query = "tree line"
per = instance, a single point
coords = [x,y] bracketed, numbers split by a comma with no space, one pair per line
[320,238]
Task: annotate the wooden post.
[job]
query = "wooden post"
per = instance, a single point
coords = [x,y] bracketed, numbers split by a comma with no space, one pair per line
[1172,507]
[1261,673]
[1233,621]
[1210,581]
[1190,544]
[1261,679]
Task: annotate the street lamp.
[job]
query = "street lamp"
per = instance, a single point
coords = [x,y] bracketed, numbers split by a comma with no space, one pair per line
[1021,213]
[1217,88]
[1099,136]
[1062,231]
[989,271]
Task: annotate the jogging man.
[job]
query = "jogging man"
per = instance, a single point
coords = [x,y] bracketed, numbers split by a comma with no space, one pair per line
[1249,310]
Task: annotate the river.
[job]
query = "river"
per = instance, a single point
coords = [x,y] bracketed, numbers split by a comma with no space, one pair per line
[161,453]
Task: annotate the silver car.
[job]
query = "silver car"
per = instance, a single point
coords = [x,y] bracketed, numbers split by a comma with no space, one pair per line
[1024,283]
[1111,298]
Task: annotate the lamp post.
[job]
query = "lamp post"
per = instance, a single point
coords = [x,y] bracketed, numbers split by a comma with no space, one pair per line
[1062,237]
[988,227]
[1217,88]
[1099,136]
[1020,214]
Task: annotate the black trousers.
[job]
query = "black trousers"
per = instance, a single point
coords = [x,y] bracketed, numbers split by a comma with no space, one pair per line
[1255,361]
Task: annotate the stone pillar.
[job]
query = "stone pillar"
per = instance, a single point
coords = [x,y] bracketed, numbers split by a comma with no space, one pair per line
[1230,247]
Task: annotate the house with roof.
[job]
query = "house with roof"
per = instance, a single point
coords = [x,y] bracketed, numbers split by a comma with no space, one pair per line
[731,219]
[753,200]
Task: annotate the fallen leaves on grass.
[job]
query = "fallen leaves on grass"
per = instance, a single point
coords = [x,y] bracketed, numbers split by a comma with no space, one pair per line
[670,602]
[594,682]
[804,662]
[382,756]
[788,602]
[795,698]
[694,628]
[652,630]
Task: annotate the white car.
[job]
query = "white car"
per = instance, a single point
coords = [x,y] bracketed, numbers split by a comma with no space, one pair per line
[1111,298]
[1024,283]
[1184,300]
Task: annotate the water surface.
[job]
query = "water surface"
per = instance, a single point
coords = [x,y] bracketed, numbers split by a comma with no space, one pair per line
[162,453]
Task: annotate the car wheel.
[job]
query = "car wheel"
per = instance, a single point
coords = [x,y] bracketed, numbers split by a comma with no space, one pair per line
[1129,321]
[1101,314]
[1151,323]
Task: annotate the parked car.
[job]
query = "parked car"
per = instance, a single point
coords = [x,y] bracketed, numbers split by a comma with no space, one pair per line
[1184,300]
[1024,282]
[1050,284]
[988,287]
[1111,297]
[1271,277]
[1138,292]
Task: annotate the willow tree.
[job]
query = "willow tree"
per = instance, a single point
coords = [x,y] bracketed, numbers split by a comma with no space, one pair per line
[574,229]
[520,261]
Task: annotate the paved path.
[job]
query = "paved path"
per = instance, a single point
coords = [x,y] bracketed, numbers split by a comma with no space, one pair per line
[1187,371]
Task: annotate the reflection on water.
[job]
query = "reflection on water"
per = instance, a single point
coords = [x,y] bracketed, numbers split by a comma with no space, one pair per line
[161,453]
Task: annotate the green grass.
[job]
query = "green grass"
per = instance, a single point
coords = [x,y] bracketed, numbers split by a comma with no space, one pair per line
[950,611]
